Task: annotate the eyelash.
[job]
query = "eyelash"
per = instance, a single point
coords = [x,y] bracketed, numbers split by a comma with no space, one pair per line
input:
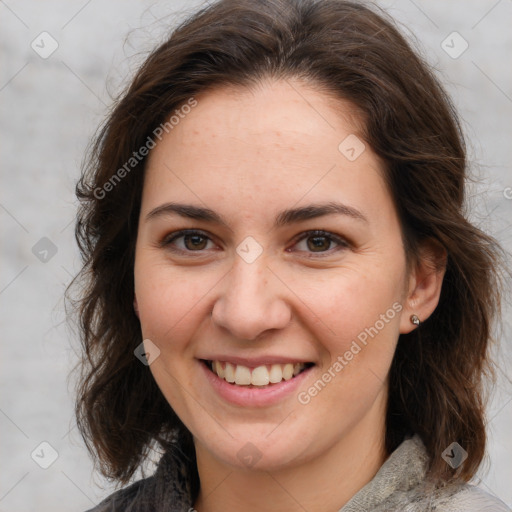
[169,239]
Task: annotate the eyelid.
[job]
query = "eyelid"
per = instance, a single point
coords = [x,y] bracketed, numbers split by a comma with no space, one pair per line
[342,242]
[165,242]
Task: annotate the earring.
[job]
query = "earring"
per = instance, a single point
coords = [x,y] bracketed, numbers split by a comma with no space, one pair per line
[415,320]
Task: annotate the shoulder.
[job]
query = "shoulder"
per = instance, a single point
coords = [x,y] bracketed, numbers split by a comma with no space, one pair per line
[168,489]
[125,500]
[452,498]
[470,498]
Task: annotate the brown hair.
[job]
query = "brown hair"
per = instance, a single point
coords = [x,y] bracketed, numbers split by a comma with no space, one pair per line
[353,53]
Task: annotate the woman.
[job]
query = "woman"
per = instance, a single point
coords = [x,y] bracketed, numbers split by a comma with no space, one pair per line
[283,296]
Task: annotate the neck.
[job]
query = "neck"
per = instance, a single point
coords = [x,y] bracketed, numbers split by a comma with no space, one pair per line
[324,483]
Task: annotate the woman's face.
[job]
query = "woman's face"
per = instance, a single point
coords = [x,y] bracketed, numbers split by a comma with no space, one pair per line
[292,263]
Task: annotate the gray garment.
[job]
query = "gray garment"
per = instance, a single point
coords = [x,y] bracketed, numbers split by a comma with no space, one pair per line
[399,486]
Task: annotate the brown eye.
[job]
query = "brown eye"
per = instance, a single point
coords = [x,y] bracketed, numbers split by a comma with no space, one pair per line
[187,241]
[320,242]
[195,242]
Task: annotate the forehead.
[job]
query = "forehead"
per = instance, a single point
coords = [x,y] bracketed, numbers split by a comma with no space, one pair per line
[271,113]
[279,140]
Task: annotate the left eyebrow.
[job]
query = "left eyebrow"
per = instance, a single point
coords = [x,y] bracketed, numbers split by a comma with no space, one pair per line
[285,217]
[317,210]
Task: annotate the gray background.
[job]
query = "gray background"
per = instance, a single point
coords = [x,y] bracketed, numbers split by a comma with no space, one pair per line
[49,110]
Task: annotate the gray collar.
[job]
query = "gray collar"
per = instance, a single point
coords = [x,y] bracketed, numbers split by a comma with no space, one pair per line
[403,471]
[399,486]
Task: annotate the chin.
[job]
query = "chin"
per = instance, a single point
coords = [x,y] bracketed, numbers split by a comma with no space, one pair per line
[258,449]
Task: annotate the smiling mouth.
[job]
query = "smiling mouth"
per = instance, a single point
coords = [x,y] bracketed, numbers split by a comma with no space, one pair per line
[259,377]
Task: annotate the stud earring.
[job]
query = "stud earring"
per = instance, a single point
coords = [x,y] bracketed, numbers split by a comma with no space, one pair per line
[415,320]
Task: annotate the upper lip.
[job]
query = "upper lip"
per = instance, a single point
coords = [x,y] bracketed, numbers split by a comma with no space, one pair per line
[254,362]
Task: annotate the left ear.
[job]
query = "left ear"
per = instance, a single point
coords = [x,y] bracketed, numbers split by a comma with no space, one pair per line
[424,285]
[135,305]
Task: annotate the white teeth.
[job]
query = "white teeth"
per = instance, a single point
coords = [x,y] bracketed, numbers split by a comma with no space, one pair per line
[242,375]
[297,368]
[229,373]
[276,373]
[260,376]
[217,368]
[288,371]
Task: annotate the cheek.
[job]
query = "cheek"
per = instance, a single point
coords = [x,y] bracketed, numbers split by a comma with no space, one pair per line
[169,301]
[348,302]
[358,332]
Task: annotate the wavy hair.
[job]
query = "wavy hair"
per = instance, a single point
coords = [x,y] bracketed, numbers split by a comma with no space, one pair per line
[351,52]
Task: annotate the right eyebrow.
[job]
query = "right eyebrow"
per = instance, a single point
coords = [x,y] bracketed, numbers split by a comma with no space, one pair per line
[186,210]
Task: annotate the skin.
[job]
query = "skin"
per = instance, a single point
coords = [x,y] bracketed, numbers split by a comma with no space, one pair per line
[247,155]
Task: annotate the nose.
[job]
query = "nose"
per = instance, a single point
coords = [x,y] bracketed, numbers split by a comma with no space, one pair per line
[251,301]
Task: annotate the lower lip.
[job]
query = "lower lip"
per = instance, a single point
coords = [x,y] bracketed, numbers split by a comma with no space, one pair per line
[254,397]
